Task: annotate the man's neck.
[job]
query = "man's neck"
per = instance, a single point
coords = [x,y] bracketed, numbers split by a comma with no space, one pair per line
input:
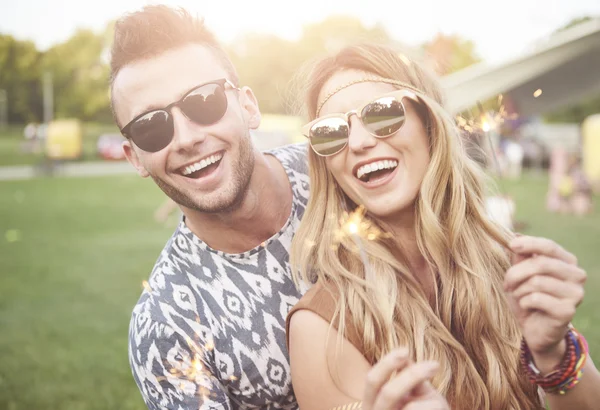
[264,210]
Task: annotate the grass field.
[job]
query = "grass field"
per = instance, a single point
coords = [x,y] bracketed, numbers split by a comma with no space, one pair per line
[73,254]
[70,277]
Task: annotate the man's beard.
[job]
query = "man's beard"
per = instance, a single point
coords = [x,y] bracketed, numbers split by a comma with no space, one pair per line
[232,193]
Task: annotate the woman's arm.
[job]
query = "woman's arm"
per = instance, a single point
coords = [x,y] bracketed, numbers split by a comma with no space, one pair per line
[312,342]
[586,395]
[545,286]
[325,378]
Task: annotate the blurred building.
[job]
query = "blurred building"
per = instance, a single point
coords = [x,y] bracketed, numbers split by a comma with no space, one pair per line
[562,70]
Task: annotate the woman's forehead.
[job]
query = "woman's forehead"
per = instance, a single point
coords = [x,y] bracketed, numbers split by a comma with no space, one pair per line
[350,97]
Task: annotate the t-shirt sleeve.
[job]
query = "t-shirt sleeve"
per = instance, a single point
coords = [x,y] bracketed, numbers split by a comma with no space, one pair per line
[171,371]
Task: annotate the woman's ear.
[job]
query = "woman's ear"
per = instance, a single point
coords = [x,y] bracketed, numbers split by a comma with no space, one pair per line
[250,105]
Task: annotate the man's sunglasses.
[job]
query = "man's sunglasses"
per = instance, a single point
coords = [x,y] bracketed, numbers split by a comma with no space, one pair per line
[204,104]
[382,117]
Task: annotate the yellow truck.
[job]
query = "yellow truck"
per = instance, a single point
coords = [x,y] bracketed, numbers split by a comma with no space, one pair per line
[64,139]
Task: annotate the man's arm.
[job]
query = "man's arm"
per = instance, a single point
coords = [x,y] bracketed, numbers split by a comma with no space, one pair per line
[172,371]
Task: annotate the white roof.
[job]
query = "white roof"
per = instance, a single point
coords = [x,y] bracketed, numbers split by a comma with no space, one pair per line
[566,67]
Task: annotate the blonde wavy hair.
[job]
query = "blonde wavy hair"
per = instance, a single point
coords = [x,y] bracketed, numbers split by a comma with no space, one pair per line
[470,331]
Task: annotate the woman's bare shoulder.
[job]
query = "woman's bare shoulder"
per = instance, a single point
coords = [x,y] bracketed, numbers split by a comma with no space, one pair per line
[323,377]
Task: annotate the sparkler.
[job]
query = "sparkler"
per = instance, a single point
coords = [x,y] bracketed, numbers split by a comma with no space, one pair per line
[192,371]
[355,226]
[146,286]
[486,121]
[195,371]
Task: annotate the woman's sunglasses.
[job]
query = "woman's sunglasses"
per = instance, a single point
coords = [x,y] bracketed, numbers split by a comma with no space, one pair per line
[204,104]
[382,117]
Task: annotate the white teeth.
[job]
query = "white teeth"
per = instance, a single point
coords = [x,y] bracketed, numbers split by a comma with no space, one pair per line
[202,164]
[376,166]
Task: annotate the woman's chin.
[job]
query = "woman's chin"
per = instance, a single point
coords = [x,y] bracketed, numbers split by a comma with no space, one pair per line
[391,210]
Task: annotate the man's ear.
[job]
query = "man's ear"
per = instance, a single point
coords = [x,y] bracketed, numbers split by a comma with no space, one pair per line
[250,105]
[133,159]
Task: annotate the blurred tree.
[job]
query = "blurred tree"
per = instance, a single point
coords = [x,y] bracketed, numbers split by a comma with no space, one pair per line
[80,76]
[449,53]
[575,113]
[576,21]
[336,32]
[265,63]
[20,78]
[268,63]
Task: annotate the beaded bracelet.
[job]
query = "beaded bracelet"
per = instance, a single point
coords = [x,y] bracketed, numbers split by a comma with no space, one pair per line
[567,373]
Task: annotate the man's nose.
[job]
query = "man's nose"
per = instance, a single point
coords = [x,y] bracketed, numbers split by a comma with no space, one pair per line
[186,132]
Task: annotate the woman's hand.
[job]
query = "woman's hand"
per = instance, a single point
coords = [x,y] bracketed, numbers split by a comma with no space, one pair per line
[397,383]
[544,287]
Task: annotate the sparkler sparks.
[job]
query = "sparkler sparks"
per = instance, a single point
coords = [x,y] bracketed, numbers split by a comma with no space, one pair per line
[354,224]
[487,120]
[146,286]
[193,371]
[537,93]
[191,374]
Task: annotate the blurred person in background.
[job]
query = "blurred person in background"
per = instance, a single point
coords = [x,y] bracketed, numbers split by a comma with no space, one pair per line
[164,210]
[514,153]
[575,189]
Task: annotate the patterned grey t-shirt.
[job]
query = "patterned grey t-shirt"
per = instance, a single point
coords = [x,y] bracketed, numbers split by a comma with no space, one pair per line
[209,330]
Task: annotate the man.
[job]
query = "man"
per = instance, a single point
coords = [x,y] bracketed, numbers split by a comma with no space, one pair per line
[208,332]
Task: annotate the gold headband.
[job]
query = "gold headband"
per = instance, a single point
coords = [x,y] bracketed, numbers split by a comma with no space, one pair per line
[366,80]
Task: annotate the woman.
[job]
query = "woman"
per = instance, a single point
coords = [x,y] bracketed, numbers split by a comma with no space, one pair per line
[437,317]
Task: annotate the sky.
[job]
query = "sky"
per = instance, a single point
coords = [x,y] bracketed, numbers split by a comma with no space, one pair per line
[501,30]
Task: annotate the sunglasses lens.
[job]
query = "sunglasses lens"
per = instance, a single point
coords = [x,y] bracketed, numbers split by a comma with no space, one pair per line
[329,136]
[153,131]
[384,116]
[206,104]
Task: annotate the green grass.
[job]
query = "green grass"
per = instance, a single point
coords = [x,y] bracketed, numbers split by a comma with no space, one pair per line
[73,254]
[12,143]
[68,284]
